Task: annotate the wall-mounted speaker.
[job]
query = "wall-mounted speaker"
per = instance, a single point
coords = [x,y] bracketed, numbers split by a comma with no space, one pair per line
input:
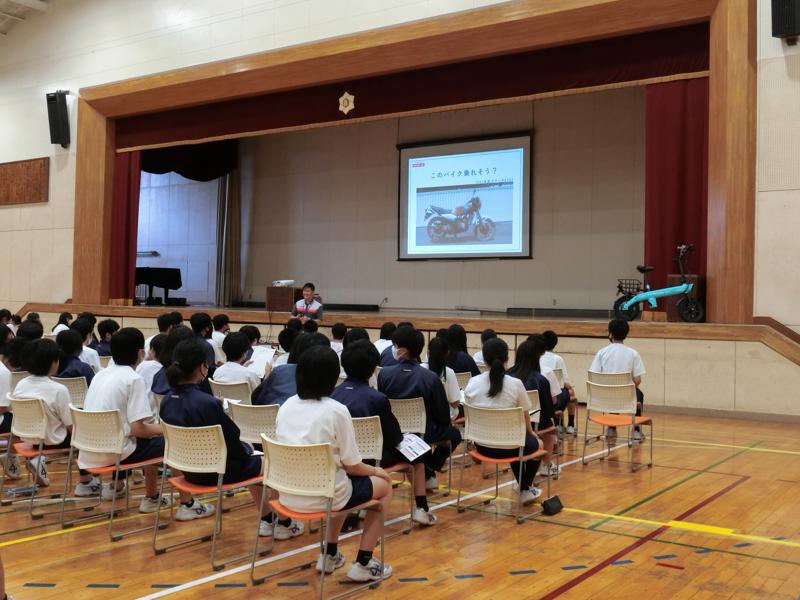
[58,117]
[786,20]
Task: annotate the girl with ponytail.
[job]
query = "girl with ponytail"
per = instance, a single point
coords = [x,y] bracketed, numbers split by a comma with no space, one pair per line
[495,389]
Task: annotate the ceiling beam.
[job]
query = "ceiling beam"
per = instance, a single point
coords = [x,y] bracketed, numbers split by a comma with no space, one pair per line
[34,4]
[10,16]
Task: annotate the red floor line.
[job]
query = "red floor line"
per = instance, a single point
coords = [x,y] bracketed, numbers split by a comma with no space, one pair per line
[670,566]
[605,563]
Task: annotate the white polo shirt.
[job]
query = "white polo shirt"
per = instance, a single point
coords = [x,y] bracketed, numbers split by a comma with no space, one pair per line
[618,358]
[323,421]
[233,372]
[148,369]
[122,388]
[91,358]
[451,390]
[59,328]
[382,344]
[512,395]
[56,401]
[551,360]
[5,385]
[478,358]
[337,347]
[280,359]
[555,389]
[218,337]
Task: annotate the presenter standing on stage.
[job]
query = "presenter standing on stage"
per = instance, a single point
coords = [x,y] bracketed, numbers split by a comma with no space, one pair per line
[308,308]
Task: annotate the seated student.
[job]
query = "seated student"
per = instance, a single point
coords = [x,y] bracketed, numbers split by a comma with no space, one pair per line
[165,324]
[310,326]
[87,316]
[495,389]
[409,379]
[253,334]
[188,406]
[88,355]
[312,417]
[6,366]
[16,321]
[5,317]
[202,327]
[160,383]
[385,341]
[486,335]
[222,325]
[389,354]
[437,359]
[64,319]
[119,387]
[528,370]
[567,400]
[30,330]
[281,384]
[295,323]
[619,358]
[33,316]
[6,335]
[308,308]
[285,340]
[235,347]
[70,365]
[338,332]
[359,360]
[459,360]
[148,368]
[106,328]
[353,335]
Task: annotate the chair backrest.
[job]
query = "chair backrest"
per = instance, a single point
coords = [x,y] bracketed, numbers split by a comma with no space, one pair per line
[463,379]
[195,449]
[533,398]
[232,391]
[610,378]
[16,377]
[30,418]
[303,470]
[252,421]
[158,399]
[611,398]
[97,430]
[369,437]
[77,388]
[104,360]
[559,373]
[495,427]
[410,414]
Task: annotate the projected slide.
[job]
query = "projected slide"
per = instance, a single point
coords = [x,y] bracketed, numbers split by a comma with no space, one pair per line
[465,199]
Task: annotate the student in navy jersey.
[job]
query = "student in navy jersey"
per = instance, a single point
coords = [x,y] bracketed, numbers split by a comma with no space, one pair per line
[70,365]
[202,326]
[308,308]
[409,379]
[106,328]
[160,383]
[281,384]
[459,360]
[388,354]
[359,360]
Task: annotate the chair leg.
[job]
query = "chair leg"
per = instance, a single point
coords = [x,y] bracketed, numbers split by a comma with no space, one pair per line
[461,480]
[115,537]
[264,495]
[65,497]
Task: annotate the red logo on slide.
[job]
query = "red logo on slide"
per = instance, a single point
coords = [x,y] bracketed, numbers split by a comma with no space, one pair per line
[415,165]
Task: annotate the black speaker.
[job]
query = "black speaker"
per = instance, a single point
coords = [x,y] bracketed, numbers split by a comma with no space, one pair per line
[59,120]
[786,20]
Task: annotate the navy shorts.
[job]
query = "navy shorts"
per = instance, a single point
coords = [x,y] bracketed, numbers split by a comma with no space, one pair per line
[235,470]
[362,492]
[146,449]
[563,400]
[5,422]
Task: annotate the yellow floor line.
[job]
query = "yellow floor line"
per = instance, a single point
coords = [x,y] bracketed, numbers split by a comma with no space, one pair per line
[749,448]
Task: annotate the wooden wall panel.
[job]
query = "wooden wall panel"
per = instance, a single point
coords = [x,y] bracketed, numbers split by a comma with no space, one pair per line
[25,181]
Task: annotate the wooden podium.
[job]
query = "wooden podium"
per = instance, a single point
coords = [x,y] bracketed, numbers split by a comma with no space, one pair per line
[698,292]
[282,299]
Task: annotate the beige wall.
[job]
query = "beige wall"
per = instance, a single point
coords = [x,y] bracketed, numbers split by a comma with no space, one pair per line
[777,275]
[324,208]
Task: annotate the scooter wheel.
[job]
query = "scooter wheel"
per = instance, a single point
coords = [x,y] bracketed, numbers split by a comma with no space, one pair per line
[691,310]
[626,314]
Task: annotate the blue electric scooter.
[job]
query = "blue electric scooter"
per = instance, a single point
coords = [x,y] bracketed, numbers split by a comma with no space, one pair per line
[632,293]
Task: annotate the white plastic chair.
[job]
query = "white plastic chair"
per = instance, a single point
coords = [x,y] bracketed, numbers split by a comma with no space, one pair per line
[16,377]
[502,428]
[232,391]
[198,450]
[77,388]
[610,378]
[252,421]
[616,405]
[305,470]
[463,379]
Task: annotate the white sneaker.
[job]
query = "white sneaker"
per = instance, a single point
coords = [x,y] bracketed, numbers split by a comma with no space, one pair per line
[423,517]
[373,571]
[197,510]
[431,484]
[530,495]
[638,435]
[286,532]
[265,528]
[331,563]
[108,492]
[90,488]
[570,430]
[552,470]
[13,470]
[150,505]
[38,468]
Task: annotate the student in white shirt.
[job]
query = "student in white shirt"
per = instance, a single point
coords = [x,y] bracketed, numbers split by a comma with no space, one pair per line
[222,325]
[486,335]
[165,324]
[148,368]
[567,400]
[437,358]
[313,417]
[64,319]
[88,355]
[495,389]
[235,347]
[338,331]
[619,358]
[385,341]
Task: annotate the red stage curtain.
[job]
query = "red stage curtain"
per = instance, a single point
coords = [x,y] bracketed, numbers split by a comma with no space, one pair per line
[124,224]
[676,175]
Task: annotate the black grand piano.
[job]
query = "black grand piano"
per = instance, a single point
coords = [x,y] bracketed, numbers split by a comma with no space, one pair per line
[167,278]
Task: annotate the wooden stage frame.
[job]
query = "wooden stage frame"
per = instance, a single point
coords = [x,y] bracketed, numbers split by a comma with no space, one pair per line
[493,31]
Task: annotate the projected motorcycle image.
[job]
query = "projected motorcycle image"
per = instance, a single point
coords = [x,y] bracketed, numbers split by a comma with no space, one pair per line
[469,214]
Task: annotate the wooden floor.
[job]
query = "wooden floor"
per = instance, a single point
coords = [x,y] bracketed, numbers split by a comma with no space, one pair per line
[716,517]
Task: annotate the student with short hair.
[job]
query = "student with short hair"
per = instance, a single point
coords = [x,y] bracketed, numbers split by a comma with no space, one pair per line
[235,347]
[106,328]
[409,379]
[354,334]
[438,351]
[88,355]
[310,326]
[359,360]
[285,340]
[486,335]
[312,417]
[33,316]
[308,307]
[188,406]
[148,368]
[70,365]
[253,333]
[495,389]
[385,341]
[567,400]
[64,319]
[459,360]
[5,335]
[281,383]
[619,358]
[202,327]
[295,323]
[338,331]
[5,316]
[177,318]
[222,325]
[165,324]
[30,330]
[87,316]
[389,354]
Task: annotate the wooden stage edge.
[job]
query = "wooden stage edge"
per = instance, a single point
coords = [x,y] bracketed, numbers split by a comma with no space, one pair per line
[762,332]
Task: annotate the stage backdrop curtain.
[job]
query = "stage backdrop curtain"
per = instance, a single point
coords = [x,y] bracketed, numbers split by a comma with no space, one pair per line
[676,175]
[124,226]
[199,162]
[229,239]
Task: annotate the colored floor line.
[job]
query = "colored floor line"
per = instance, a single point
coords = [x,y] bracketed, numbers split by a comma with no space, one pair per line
[670,566]
[640,542]
[671,487]
[731,446]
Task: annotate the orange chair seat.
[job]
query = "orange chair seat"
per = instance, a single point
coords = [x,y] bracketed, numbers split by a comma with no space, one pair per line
[288,513]
[185,486]
[398,467]
[505,461]
[29,451]
[619,420]
[124,467]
